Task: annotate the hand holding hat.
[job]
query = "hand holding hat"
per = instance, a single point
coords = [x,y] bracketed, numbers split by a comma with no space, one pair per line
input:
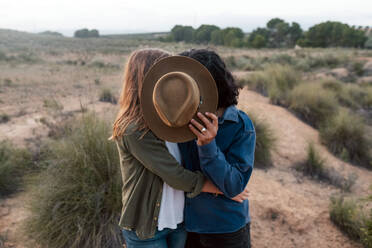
[174,90]
[205,135]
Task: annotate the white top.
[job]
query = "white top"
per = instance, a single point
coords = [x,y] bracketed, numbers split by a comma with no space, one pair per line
[172,200]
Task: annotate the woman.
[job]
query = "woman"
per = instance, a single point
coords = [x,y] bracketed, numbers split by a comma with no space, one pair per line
[153,180]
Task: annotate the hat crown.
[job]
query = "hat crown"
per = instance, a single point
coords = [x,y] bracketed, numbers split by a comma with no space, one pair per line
[176,98]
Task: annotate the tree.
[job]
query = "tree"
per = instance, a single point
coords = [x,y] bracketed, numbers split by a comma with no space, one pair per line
[217,37]
[182,33]
[368,43]
[232,37]
[203,33]
[85,33]
[334,34]
[295,33]
[263,32]
[258,41]
[279,30]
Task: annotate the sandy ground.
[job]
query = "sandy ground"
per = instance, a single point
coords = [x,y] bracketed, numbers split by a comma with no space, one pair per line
[287,210]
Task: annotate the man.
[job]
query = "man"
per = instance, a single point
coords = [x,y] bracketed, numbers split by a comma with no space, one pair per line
[226,160]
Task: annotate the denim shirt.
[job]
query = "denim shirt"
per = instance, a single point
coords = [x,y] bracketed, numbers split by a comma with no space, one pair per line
[228,162]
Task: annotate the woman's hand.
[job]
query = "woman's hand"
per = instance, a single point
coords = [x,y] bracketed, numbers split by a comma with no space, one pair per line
[242,196]
[205,134]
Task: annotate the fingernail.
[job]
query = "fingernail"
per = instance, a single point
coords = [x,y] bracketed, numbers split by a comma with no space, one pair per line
[207,113]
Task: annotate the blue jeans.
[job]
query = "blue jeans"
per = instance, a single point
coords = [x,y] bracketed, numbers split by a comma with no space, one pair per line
[167,238]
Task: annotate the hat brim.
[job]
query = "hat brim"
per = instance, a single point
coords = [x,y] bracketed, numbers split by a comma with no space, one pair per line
[207,88]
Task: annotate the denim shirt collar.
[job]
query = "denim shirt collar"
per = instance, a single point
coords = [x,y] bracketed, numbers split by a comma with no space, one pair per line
[230,114]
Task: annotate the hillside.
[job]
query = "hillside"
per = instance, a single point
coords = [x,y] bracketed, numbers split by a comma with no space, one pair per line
[47,80]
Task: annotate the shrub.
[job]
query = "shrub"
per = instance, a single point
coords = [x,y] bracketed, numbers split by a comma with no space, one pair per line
[314,167]
[344,214]
[344,134]
[231,62]
[76,201]
[357,95]
[314,164]
[275,81]
[330,60]
[350,218]
[281,80]
[3,56]
[257,81]
[52,104]
[333,85]
[265,143]
[107,96]
[4,118]
[357,67]
[283,59]
[312,103]
[13,164]
[8,82]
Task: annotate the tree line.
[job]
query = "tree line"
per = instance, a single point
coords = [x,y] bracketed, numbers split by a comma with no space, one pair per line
[277,34]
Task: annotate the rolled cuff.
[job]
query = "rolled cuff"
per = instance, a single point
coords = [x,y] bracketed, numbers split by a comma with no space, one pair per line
[199,185]
[208,150]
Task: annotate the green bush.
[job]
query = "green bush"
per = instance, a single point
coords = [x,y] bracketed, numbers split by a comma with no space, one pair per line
[312,103]
[350,218]
[4,118]
[327,60]
[274,81]
[357,67]
[350,95]
[106,95]
[344,134]
[257,81]
[52,104]
[76,201]
[265,143]
[314,164]
[314,167]
[281,80]
[14,163]
[359,96]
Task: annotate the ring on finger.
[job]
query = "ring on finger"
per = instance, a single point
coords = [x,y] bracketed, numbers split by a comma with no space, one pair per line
[203,130]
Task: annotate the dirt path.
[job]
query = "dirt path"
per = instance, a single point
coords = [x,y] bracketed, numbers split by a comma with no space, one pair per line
[12,215]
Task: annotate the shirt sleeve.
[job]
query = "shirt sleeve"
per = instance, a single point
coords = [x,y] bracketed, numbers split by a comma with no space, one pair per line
[154,155]
[230,172]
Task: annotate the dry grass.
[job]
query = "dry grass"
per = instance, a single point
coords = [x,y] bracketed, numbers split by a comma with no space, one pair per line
[77,200]
[345,135]
[312,103]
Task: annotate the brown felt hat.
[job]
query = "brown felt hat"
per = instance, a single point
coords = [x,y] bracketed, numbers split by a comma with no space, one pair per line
[173,91]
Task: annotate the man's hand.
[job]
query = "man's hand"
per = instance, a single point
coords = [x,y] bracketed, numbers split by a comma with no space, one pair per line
[205,134]
[242,196]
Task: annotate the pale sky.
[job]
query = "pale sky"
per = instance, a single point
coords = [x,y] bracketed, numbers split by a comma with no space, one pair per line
[136,16]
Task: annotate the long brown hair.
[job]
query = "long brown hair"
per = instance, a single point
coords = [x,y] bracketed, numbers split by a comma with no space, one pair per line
[138,64]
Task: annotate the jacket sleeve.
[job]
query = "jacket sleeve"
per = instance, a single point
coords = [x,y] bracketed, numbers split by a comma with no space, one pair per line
[230,172]
[154,155]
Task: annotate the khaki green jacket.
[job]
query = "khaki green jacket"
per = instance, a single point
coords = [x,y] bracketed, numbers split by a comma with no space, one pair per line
[145,164]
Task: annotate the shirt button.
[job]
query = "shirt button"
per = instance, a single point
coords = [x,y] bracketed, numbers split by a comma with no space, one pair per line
[158,204]
[155,218]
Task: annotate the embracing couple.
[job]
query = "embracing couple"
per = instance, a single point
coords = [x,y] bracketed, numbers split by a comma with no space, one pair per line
[186,152]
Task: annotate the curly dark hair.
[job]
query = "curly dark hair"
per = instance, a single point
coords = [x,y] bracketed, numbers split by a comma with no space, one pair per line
[228,91]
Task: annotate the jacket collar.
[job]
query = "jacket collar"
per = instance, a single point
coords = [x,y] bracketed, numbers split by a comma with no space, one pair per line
[230,114]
